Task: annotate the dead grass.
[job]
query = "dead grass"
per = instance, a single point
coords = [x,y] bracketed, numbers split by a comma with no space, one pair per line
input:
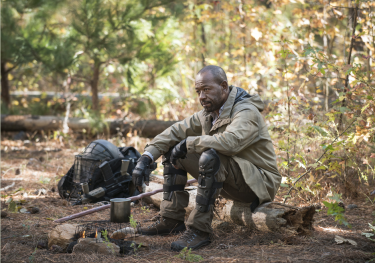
[38,168]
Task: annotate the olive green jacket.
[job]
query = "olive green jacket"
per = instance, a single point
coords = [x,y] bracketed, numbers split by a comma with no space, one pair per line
[240,132]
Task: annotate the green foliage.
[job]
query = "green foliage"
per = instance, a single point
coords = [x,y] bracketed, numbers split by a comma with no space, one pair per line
[145,210]
[370,236]
[133,222]
[44,180]
[32,256]
[107,241]
[336,210]
[186,254]
[97,122]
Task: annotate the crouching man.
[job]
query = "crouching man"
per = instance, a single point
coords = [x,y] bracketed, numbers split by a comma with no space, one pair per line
[225,146]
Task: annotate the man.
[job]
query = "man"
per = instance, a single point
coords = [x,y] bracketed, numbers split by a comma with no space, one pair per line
[226,147]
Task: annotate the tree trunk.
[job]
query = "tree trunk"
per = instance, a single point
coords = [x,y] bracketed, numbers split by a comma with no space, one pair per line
[203,37]
[146,128]
[5,96]
[94,87]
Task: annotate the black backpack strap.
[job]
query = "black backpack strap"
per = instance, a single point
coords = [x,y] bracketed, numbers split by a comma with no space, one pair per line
[125,151]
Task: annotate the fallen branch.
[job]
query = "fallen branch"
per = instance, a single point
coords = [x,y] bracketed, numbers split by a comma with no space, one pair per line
[145,128]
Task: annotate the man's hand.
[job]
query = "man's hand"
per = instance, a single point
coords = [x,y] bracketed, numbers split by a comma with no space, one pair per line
[178,152]
[141,173]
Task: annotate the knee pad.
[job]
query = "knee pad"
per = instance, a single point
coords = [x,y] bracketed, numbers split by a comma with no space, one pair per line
[209,165]
[170,173]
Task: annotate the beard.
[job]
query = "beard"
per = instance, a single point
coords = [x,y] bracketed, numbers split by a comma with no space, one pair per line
[210,106]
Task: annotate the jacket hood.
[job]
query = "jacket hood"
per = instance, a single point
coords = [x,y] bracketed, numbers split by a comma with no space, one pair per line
[253,99]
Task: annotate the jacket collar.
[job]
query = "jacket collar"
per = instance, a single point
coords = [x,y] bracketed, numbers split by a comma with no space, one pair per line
[224,117]
[229,103]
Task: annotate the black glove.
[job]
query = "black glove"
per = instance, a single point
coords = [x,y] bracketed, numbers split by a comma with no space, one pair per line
[178,152]
[141,171]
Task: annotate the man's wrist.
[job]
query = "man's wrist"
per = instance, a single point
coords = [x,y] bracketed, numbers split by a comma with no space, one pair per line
[149,155]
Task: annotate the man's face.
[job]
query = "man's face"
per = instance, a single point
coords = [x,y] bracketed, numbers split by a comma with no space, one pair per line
[211,94]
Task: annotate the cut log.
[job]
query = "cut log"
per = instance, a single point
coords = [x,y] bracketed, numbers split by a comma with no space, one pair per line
[270,216]
[267,217]
[145,128]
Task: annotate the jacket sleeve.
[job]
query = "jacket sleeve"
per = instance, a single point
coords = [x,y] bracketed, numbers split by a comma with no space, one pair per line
[179,131]
[239,134]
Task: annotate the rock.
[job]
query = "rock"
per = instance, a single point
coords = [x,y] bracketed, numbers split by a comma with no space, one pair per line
[41,191]
[222,246]
[71,246]
[352,206]
[42,244]
[90,245]
[24,211]
[33,210]
[141,241]
[123,233]
[61,235]
[4,214]
[57,249]
[20,136]
[26,143]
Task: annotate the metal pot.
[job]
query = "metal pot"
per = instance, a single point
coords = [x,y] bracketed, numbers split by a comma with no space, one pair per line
[120,210]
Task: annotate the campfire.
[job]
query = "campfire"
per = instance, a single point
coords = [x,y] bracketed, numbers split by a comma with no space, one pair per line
[104,231]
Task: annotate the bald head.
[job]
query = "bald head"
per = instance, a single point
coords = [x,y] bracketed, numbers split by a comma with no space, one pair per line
[212,88]
[217,73]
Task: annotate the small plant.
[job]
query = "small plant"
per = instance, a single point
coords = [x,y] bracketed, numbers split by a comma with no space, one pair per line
[133,222]
[370,236]
[336,210]
[145,209]
[44,180]
[135,248]
[186,254]
[106,241]
[32,256]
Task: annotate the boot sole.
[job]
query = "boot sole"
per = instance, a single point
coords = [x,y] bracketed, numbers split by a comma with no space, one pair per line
[176,247]
[176,230]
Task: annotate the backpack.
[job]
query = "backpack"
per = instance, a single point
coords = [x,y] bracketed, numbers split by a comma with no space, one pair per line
[68,189]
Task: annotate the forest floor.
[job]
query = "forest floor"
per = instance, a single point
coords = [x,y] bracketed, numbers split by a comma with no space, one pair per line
[32,166]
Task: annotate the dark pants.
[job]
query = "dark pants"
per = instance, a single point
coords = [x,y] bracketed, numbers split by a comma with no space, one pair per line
[234,188]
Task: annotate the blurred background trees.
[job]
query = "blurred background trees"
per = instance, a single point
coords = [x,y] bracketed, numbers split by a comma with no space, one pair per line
[312,62]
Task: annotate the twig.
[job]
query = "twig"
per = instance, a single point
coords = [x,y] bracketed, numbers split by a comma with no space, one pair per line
[354,18]
[299,178]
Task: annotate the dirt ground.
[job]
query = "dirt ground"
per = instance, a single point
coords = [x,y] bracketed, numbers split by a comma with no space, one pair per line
[27,167]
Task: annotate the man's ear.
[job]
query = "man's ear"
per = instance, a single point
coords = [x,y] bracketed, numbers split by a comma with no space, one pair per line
[224,85]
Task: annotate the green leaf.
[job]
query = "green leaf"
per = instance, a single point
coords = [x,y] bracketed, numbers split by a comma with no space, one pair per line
[365,107]
[320,130]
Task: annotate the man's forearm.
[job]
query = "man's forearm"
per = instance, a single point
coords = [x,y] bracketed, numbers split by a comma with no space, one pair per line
[173,135]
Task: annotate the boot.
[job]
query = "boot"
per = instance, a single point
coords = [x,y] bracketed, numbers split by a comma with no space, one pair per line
[163,226]
[192,238]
